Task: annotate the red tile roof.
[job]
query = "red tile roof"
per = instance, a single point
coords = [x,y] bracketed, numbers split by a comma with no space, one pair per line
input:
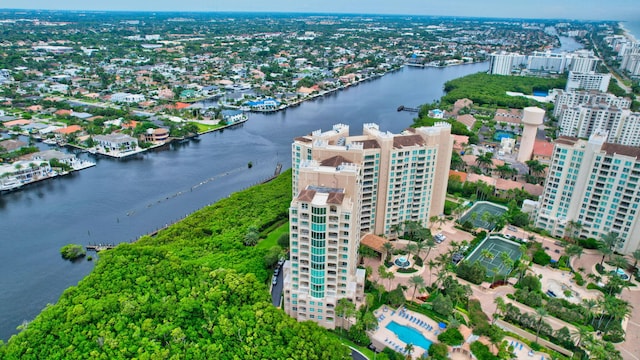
[460,174]
[374,242]
[69,129]
[542,148]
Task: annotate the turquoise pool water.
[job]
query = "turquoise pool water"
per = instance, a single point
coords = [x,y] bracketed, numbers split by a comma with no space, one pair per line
[409,335]
[500,134]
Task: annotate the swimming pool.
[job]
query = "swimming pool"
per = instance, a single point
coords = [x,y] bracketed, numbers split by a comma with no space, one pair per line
[409,335]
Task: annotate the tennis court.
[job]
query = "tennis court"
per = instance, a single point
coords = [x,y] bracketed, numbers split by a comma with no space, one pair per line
[479,220]
[496,245]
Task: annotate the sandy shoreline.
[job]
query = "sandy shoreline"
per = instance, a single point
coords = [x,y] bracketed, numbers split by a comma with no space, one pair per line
[627,33]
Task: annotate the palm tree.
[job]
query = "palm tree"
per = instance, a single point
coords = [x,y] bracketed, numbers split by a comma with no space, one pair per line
[412,249]
[573,250]
[427,244]
[416,281]
[485,161]
[388,250]
[536,168]
[619,262]
[636,257]
[581,334]
[432,221]
[605,250]
[573,228]
[506,261]
[610,240]
[486,254]
[345,309]
[411,228]
[501,306]
[396,229]
[431,264]
[541,312]
[408,349]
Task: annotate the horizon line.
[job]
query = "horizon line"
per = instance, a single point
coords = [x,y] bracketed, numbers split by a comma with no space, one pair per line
[308,13]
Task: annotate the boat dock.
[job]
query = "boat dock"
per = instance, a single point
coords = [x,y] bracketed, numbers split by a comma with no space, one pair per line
[408,109]
[99,247]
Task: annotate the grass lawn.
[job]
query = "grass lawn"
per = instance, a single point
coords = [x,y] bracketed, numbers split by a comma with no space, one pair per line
[272,238]
[202,127]
[363,349]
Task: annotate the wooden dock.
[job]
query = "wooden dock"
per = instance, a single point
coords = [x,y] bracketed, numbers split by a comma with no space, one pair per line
[408,109]
[99,247]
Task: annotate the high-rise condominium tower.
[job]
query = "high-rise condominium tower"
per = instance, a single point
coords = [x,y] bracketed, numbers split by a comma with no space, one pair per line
[346,186]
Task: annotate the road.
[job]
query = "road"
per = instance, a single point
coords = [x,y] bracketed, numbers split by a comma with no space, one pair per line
[276,290]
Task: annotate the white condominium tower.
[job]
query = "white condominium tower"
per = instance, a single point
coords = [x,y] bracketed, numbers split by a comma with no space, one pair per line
[347,186]
[595,184]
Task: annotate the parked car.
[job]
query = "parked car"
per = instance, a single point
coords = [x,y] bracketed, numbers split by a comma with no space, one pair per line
[439,238]
[276,272]
[512,228]
[275,280]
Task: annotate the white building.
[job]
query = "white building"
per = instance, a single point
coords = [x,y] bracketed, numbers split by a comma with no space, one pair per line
[116,142]
[503,63]
[595,184]
[16,174]
[127,98]
[631,59]
[587,81]
[622,125]
[568,99]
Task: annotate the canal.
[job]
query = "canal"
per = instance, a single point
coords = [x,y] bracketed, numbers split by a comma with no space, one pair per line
[119,200]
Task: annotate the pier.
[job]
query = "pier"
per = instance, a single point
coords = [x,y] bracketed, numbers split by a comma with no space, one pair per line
[408,109]
[99,247]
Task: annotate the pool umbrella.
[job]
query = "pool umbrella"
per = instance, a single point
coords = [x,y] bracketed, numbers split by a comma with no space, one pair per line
[442,325]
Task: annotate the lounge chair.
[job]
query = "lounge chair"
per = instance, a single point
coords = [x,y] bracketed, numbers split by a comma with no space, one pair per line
[520,346]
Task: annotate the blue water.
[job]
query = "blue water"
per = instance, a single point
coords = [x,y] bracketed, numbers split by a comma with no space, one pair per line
[632,27]
[409,335]
[499,135]
[540,93]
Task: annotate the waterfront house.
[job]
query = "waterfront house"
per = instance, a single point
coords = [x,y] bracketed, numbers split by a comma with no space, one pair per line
[232,116]
[157,136]
[116,142]
[19,173]
[68,159]
[12,145]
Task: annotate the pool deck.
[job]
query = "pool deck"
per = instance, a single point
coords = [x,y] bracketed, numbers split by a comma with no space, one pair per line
[383,337]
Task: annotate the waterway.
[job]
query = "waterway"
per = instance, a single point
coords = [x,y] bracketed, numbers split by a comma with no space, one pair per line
[119,200]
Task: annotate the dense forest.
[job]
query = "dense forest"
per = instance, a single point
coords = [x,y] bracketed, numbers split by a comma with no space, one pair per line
[193,292]
[490,90]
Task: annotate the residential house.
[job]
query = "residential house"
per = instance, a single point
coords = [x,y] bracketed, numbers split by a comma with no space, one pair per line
[116,142]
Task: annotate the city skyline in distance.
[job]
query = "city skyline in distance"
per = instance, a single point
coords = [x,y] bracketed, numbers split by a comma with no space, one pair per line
[542,9]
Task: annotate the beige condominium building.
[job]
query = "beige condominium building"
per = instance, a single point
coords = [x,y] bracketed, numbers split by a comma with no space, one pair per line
[347,186]
[595,184]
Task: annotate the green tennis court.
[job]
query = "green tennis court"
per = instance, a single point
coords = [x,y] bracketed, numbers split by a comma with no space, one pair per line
[479,220]
[495,245]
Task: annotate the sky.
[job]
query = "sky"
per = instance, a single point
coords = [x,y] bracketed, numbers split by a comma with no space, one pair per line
[541,9]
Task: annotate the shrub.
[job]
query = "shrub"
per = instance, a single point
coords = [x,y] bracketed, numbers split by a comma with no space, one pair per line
[535,346]
[589,243]
[578,279]
[530,282]
[438,351]
[451,336]
[541,257]
[481,351]
[475,273]
[72,251]
[407,270]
